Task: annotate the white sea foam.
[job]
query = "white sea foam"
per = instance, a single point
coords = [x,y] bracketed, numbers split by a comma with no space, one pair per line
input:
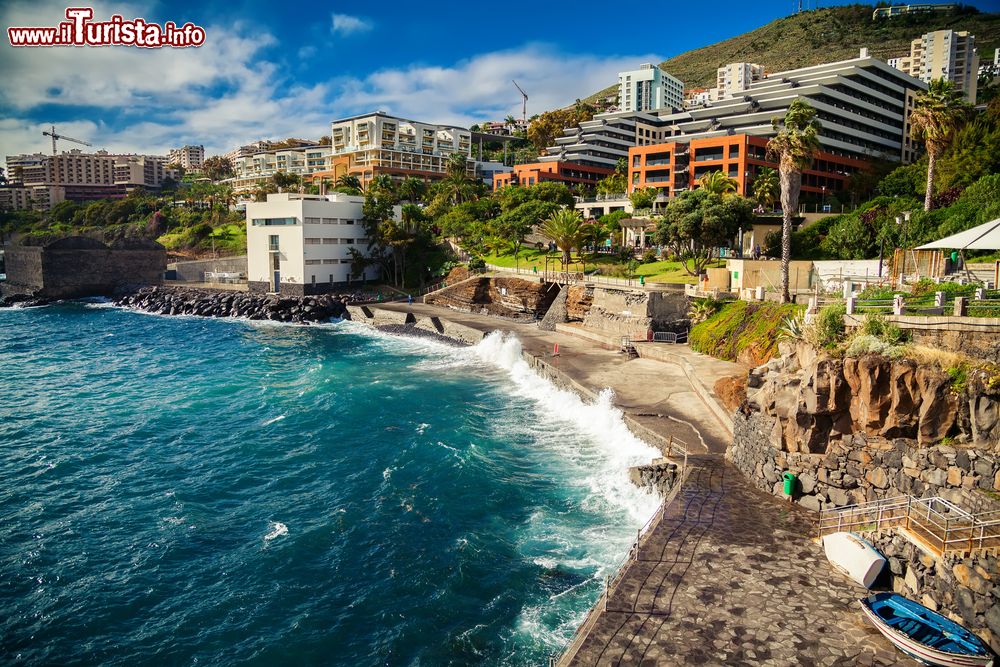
[271,421]
[277,530]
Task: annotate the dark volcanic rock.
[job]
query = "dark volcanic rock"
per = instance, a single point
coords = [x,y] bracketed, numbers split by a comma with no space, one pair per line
[210,303]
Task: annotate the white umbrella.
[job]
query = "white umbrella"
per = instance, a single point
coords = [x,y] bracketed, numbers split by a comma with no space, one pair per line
[984,237]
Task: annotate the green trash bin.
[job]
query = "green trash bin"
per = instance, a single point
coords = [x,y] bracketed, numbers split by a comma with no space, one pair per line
[789,478]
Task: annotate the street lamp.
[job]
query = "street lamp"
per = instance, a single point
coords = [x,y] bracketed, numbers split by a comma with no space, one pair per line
[901,220]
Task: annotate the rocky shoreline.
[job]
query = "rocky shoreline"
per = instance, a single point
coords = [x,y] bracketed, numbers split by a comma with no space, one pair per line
[213,303]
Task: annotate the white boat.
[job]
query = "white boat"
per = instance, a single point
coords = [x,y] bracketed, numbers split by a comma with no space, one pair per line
[852,555]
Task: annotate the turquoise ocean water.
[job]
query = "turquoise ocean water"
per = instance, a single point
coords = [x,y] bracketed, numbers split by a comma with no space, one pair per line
[180,491]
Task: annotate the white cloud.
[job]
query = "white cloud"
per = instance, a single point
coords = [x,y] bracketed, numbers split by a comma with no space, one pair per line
[345,24]
[480,88]
[226,93]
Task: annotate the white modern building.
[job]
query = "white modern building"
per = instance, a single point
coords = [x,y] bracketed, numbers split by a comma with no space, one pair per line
[300,244]
[377,143]
[254,168]
[734,78]
[943,54]
[863,106]
[649,88]
[191,158]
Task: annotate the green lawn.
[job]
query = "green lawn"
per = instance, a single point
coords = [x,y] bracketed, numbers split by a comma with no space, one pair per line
[656,272]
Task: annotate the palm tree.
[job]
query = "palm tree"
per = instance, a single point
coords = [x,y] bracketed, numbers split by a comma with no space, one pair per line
[349,182]
[411,189]
[510,121]
[937,115]
[717,183]
[382,183]
[565,228]
[766,187]
[458,165]
[793,147]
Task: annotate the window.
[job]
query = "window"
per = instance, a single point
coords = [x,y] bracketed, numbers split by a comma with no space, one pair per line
[313,262]
[271,222]
[329,261]
[272,242]
[329,241]
[313,241]
[329,221]
[734,152]
[312,221]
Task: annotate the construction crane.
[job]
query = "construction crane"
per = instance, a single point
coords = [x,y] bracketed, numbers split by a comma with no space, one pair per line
[524,104]
[55,136]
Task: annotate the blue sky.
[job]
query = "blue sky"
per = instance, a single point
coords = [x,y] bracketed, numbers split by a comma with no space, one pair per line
[277,69]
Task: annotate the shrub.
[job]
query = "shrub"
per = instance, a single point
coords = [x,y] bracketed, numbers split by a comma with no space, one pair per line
[881,328]
[702,309]
[477,263]
[649,256]
[864,344]
[828,330]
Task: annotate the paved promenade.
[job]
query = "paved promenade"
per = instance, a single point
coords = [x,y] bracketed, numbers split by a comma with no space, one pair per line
[729,575]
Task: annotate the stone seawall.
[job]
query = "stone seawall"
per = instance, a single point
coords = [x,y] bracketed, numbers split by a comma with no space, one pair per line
[862,468]
[620,312]
[498,296]
[211,303]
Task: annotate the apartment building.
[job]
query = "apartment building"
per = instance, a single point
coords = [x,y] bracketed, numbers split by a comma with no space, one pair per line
[377,143]
[649,88]
[190,158]
[572,174]
[254,168]
[300,244]
[734,78]
[78,176]
[675,166]
[943,54]
[900,10]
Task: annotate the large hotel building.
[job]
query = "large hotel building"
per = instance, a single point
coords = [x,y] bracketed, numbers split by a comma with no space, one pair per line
[863,105]
[42,181]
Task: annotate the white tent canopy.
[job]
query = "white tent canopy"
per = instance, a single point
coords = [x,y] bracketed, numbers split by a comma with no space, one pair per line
[984,237]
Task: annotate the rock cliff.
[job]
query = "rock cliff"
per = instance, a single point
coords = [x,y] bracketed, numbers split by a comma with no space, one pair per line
[817,399]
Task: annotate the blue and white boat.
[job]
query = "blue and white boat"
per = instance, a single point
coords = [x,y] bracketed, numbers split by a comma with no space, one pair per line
[923,634]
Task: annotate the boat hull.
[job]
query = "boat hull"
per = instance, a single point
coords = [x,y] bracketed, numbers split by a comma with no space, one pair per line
[919,650]
[854,557]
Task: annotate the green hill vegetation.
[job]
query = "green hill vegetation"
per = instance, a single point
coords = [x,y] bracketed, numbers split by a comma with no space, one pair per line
[824,35]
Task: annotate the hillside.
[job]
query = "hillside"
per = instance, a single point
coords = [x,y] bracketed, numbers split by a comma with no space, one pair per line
[823,35]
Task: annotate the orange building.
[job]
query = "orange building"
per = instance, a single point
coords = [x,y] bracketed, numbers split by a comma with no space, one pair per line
[676,166]
[572,174]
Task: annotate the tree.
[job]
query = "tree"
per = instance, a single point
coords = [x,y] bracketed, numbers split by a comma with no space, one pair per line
[458,165]
[717,183]
[325,140]
[513,225]
[349,184]
[285,180]
[615,184]
[766,188]
[510,121]
[565,228]
[697,222]
[545,127]
[217,167]
[411,189]
[382,184]
[936,116]
[793,148]
[643,199]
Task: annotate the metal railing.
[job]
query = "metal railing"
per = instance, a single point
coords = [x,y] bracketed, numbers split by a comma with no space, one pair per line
[579,277]
[938,523]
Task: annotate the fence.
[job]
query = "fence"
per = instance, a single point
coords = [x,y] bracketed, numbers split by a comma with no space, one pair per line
[981,302]
[939,524]
[579,277]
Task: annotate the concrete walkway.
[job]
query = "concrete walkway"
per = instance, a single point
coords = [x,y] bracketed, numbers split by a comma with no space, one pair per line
[729,576]
[657,395]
